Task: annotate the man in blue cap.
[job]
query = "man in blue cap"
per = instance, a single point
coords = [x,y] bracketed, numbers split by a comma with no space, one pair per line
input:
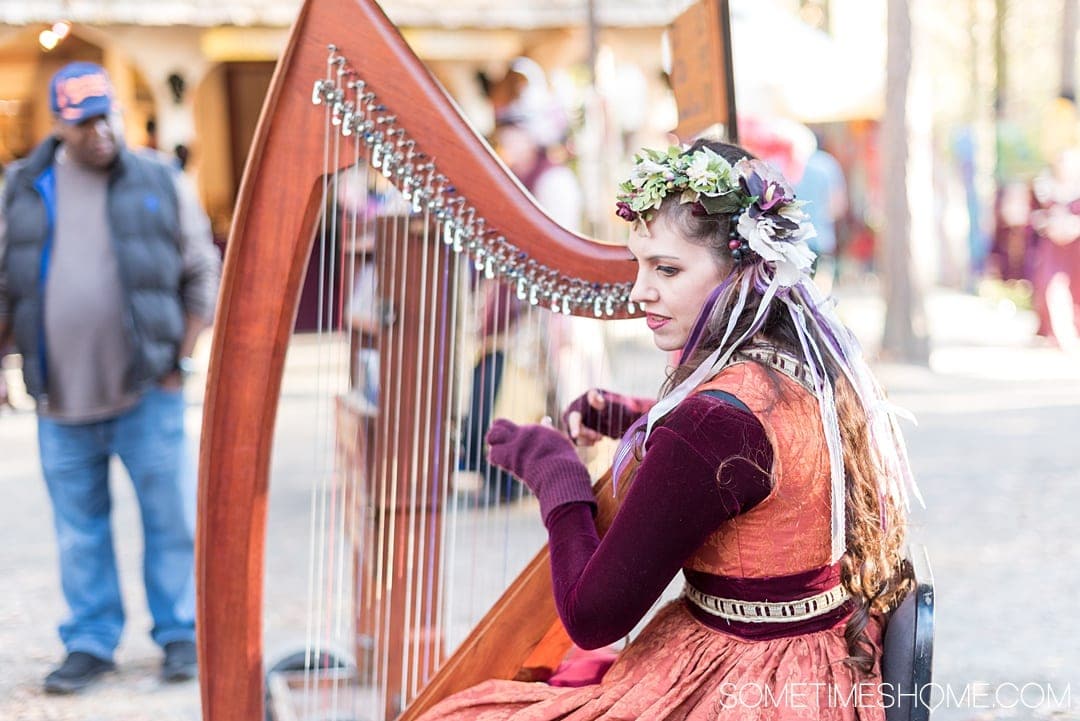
[107,275]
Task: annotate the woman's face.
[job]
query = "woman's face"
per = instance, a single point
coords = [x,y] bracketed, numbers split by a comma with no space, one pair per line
[674,278]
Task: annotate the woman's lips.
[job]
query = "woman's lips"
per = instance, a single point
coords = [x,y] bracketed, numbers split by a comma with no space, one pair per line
[656,321]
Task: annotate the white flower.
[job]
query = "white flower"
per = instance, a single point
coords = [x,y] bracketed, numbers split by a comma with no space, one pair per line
[795,213]
[645,170]
[791,257]
[709,173]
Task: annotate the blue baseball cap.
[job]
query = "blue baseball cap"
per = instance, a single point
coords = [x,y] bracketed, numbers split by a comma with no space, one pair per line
[79,91]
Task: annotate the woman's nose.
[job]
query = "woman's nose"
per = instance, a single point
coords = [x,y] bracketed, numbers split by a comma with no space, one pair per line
[642,292]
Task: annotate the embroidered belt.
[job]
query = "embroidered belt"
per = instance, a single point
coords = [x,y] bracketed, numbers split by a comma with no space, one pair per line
[780,360]
[731,609]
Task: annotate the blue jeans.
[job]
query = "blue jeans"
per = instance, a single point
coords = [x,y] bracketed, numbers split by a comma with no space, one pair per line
[149,440]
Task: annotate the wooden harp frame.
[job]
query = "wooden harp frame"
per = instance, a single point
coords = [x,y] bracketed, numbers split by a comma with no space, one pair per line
[273,231]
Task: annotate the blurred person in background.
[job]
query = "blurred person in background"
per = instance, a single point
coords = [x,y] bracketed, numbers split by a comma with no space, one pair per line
[1056,222]
[817,176]
[107,276]
[822,185]
[530,138]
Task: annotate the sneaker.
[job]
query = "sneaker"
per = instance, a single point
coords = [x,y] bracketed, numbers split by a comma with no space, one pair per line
[79,670]
[181,663]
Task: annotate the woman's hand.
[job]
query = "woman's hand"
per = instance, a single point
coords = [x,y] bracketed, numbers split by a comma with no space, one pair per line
[573,417]
[599,413]
[543,459]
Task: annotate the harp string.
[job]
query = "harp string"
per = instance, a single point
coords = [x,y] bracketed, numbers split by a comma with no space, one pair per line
[391,464]
[429,539]
[366,481]
[450,438]
[329,375]
[316,555]
[450,433]
[414,513]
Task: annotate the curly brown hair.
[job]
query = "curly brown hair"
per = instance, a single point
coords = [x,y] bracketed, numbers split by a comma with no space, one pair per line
[872,568]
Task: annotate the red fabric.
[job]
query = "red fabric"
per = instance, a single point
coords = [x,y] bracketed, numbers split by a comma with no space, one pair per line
[582,667]
[790,531]
[680,670]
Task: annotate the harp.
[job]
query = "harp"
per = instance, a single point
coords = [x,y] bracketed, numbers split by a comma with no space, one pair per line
[348,96]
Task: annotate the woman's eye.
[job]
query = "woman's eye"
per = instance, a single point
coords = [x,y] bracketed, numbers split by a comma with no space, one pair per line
[666,270]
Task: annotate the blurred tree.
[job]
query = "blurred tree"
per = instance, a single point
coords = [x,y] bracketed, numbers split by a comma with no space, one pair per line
[1068,47]
[1001,74]
[905,334]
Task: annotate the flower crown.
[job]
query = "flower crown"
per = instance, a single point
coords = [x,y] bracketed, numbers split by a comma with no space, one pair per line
[767,221]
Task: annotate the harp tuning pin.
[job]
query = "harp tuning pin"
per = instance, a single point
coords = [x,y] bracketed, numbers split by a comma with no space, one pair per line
[597,310]
[376,155]
[631,308]
[317,92]
[458,245]
[448,231]
[566,305]
[609,307]
[534,295]
[522,290]
[555,303]
[489,268]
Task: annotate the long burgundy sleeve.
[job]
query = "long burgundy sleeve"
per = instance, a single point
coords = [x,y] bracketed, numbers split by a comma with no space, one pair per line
[604,587]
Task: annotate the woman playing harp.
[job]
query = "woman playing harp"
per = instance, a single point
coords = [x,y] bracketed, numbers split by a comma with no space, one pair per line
[770,472]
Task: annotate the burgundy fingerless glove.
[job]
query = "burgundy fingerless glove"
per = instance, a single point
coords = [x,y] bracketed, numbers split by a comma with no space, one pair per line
[618,414]
[543,459]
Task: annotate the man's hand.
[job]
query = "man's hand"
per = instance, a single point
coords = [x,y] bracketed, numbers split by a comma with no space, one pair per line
[173,381]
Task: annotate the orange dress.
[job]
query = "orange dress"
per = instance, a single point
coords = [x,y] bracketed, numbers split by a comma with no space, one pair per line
[683,667]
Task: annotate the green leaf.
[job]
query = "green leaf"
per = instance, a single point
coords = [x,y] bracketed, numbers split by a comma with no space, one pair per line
[727,203]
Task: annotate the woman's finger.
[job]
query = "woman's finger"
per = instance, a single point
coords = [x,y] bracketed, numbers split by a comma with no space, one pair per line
[595,398]
[573,424]
[587,437]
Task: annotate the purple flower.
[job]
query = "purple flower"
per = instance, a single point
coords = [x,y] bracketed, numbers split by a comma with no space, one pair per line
[752,183]
[765,182]
[772,196]
[624,211]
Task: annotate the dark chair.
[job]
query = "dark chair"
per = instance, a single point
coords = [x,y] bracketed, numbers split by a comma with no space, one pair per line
[908,653]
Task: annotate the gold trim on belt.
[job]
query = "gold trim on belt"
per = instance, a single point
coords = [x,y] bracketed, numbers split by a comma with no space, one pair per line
[731,609]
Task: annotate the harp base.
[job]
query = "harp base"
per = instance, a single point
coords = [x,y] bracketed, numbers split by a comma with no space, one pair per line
[334,695]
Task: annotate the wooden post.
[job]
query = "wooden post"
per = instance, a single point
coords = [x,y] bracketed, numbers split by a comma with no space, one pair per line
[701,69]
